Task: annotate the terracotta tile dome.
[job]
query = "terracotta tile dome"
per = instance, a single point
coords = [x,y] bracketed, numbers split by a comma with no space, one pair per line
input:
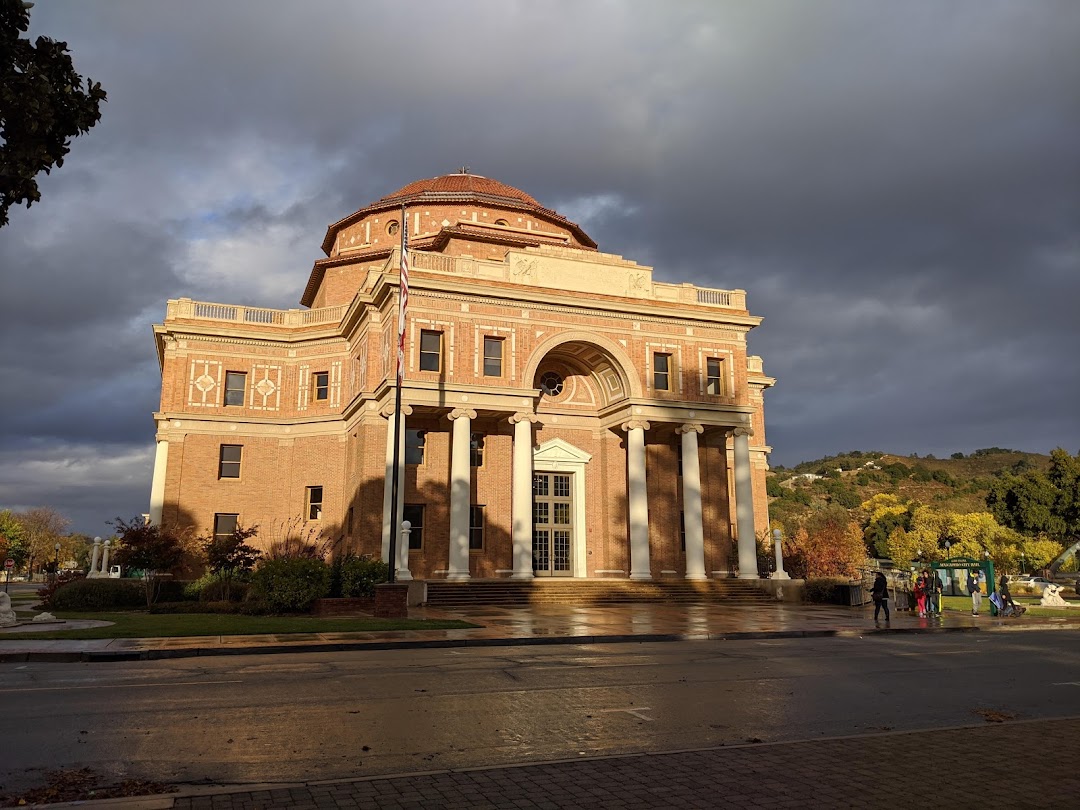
[457,184]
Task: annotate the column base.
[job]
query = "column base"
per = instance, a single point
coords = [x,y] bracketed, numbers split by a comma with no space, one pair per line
[522,575]
[458,576]
[750,576]
[640,576]
[403,575]
[781,575]
[696,577]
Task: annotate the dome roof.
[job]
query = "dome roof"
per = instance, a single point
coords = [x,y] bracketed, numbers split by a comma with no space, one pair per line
[453,185]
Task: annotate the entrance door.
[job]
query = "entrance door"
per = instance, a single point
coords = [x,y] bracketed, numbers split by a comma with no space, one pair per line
[552,524]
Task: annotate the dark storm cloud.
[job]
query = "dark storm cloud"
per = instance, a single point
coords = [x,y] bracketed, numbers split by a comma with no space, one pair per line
[897,186]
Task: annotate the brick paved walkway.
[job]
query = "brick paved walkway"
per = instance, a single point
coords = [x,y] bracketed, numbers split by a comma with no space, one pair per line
[1021,764]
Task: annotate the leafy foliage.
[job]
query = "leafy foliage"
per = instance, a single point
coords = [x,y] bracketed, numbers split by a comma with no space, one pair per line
[53,584]
[230,557]
[99,594]
[153,549]
[42,107]
[292,583]
[1041,503]
[12,538]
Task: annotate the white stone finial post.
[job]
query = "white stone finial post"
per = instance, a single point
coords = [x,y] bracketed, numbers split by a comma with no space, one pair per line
[777,538]
[105,558]
[94,557]
[403,574]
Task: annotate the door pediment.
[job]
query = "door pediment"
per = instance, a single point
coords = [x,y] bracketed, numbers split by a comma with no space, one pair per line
[555,451]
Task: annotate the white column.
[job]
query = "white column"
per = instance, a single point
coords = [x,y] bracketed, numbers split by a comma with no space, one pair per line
[691,495]
[393,517]
[522,508]
[95,556]
[638,498]
[460,492]
[744,506]
[157,486]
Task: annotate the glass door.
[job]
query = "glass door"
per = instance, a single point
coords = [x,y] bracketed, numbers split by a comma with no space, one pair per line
[552,524]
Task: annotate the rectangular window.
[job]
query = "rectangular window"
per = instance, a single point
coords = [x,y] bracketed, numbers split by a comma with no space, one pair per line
[476,528]
[314,503]
[493,357]
[476,450]
[430,350]
[414,446]
[235,383]
[661,371]
[320,381]
[225,525]
[229,460]
[714,380]
[414,513]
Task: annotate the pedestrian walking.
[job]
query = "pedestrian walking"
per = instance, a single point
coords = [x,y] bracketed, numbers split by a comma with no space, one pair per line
[933,592]
[880,595]
[920,594]
[974,590]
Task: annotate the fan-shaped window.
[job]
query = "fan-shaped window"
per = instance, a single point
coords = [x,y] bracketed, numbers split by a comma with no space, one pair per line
[502,222]
[551,383]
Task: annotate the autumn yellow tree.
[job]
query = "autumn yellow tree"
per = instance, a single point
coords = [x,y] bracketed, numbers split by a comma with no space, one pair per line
[831,544]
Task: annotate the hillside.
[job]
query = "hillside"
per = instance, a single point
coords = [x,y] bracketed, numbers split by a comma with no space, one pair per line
[956,484]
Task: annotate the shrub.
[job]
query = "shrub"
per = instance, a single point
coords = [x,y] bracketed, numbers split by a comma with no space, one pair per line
[825,590]
[216,587]
[360,575]
[48,590]
[99,594]
[291,584]
[249,608]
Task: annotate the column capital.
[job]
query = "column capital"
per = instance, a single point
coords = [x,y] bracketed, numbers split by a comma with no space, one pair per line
[386,411]
[742,431]
[690,427]
[457,413]
[523,417]
[633,424]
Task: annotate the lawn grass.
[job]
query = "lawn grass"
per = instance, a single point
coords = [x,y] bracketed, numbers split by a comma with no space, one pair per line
[135,624]
[963,604]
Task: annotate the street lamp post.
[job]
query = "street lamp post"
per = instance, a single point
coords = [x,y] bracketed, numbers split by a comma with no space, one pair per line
[949,572]
[1023,560]
[56,561]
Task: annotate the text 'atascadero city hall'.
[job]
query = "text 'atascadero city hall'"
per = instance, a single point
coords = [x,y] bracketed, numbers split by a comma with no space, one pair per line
[565,415]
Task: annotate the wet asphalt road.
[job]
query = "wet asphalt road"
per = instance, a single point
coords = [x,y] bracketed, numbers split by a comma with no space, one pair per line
[324,716]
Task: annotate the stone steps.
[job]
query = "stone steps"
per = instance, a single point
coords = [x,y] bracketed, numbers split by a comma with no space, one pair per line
[592,592]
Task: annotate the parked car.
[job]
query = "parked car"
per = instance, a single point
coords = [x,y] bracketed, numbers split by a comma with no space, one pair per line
[1034,583]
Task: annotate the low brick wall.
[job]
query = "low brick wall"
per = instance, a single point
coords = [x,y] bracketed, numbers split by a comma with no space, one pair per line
[343,607]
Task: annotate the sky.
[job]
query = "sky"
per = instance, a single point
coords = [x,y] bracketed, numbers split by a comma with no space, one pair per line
[895,185]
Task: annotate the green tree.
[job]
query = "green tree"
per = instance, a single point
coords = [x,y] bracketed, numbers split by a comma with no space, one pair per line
[1036,503]
[153,549]
[231,556]
[12,538]
[42,107]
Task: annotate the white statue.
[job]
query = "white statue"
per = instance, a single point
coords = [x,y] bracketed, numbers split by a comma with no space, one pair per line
[1051,597]
[44,617]
[7,615]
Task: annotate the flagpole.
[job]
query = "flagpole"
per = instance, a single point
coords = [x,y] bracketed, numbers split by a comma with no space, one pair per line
[403,297]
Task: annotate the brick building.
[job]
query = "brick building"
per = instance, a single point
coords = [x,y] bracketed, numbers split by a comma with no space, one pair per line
[565,414]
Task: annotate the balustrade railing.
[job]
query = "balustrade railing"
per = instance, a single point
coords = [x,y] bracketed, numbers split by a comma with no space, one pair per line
[233,313]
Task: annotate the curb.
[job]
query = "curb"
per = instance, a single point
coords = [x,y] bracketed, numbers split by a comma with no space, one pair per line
[110,656]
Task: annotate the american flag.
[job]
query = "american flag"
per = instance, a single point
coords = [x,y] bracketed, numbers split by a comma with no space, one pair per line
[403,295]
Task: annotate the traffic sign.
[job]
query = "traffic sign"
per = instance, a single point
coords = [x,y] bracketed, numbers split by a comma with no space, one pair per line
[9,563]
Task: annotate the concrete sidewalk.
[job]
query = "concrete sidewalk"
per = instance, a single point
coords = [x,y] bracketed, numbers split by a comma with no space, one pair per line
[541,624]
